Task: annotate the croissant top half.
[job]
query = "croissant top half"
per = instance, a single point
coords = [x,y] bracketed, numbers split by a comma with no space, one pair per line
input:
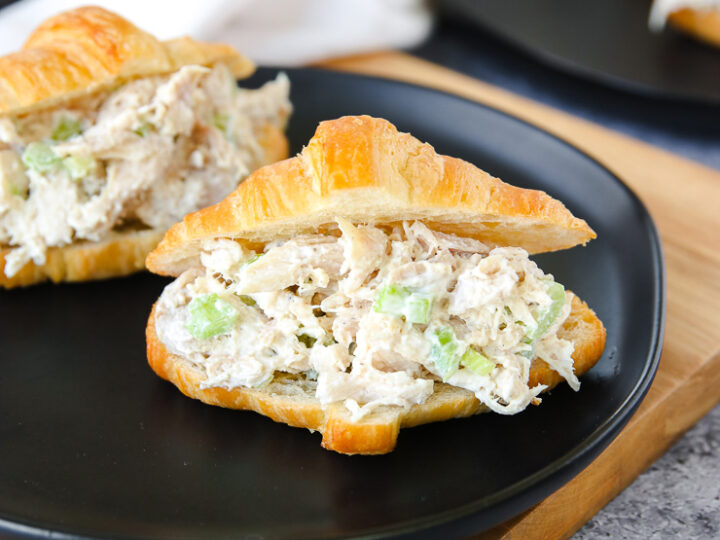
[362,169]
[82,51]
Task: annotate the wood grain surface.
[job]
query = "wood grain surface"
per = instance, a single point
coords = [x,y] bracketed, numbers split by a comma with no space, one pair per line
[683,198]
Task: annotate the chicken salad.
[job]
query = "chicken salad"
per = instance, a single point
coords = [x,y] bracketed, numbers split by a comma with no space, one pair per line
[145,153]
[375,315]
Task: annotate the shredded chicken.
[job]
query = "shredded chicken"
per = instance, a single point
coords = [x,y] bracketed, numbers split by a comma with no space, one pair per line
[332,307]
[146,153]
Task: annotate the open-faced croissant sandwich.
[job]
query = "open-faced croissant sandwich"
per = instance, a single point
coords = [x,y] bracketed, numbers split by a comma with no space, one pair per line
[370,284]
[108,136]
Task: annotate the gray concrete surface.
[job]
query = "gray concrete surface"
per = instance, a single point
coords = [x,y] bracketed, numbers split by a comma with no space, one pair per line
[677,497]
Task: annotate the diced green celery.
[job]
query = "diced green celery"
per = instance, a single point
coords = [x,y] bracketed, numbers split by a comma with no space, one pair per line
[266,381]
[66,128]
[399,301]
[444,352]
[13,180]
[223,122]
[247,300]
[546,318]
[15,190]
[220,121]
[391,300]
[417,308]
[39,157]
[254,258]
[210,316]
[306,340]
[143,129]
[557,293]
[79,166]
[477,362]
[529,354]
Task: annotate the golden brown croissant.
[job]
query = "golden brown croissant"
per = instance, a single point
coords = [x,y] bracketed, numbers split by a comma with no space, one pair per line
[358,176]
[71,74]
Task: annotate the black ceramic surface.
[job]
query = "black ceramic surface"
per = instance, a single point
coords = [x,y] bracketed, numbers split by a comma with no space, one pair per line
[607,40]
[94,444]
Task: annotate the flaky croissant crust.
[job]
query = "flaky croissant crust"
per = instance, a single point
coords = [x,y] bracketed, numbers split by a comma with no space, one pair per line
[82,51]
[365,170]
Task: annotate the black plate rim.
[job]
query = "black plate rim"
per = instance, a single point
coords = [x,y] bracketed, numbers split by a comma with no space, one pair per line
[593,445]
[556,473]
[565,65]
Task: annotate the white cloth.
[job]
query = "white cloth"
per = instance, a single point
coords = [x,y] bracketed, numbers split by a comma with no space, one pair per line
[270,32]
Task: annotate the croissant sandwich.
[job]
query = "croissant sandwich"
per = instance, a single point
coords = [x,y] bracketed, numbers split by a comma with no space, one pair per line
[108,136]
[697,18]
[370,284]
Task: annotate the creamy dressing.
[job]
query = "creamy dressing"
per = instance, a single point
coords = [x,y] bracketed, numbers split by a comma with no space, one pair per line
[311,305]
[147,153]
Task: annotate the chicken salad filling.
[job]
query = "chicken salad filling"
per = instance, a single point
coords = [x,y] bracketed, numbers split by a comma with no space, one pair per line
[376,316]
[143,154]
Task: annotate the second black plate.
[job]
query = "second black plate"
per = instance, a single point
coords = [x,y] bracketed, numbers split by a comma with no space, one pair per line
[93,443]
[607,41]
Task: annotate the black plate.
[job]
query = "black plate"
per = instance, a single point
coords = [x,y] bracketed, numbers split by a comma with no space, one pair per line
[93,443]
[607,40]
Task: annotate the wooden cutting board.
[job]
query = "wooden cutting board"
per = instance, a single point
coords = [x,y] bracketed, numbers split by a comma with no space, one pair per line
[683,198]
